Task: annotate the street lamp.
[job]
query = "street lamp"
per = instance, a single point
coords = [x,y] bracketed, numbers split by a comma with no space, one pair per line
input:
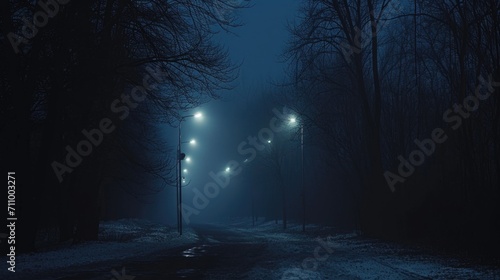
[181,156]
[293,121]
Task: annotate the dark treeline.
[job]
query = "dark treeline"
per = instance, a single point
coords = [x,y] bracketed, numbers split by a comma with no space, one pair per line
[373,80]
[104,76]
[398,101]
[271,182]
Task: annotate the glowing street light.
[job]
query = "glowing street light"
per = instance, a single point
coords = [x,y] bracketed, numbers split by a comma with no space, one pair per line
[269,141]
[228,169]
[180,179]
[185,171]
[293,121]
[192,142]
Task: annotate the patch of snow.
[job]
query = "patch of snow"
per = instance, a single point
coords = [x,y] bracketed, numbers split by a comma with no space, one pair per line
[119,240]
[352,256]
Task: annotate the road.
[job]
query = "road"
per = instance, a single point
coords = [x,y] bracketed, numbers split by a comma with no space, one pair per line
[230,253]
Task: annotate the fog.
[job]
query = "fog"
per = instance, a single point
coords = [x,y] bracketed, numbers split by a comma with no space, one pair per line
[203,122]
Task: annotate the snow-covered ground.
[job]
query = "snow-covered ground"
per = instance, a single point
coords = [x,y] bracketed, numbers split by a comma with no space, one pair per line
[266,252]
[324,253]
[118,240]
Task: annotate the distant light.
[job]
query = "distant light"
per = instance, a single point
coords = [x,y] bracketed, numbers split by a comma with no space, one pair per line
[228,169]
[293,120]
[188,159]
[192,142]
[269,141]
[185,171]
[198,115]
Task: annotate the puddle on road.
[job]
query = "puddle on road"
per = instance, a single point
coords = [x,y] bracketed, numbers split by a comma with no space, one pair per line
[190,263]
[198,251]
[194,262]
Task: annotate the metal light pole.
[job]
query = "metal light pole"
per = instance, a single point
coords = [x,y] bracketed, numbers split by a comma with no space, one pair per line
[177,183]
[179,190]
[303,184]
[180,157]
[293,121]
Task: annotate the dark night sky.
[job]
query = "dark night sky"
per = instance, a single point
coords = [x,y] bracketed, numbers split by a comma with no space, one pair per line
[372,122]
[261,39]
[257,46]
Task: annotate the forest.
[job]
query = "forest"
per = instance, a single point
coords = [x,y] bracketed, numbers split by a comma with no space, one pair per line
[398,102]
[403,99]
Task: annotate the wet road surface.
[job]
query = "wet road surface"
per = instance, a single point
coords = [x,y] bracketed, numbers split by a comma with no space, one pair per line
[227,253]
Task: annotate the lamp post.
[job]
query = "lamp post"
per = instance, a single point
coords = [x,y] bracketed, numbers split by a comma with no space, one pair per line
[293,121]
[303,184]
[180,157]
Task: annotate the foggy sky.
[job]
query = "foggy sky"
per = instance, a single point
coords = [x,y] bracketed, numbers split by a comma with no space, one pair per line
[256,46]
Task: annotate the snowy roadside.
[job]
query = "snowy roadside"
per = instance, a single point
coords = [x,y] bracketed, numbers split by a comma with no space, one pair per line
[118,240]
[268,252]
[324,253]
